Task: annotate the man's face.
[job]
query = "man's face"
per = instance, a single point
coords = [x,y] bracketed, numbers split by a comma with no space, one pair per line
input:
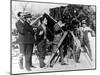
[28,20]
[61,23]
[22,16]
[45,21]
[84,25]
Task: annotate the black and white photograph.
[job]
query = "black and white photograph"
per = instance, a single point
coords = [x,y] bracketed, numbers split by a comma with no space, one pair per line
[52,37]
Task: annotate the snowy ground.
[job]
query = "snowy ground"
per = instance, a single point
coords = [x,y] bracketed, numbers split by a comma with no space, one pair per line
[85,62]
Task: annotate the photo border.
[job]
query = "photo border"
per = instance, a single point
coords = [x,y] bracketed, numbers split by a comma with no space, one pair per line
[49,71]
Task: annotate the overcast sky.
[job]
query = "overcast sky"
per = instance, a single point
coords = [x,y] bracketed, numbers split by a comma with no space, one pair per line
[35,7]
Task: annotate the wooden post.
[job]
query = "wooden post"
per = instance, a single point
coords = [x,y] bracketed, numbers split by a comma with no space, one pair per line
[53,55]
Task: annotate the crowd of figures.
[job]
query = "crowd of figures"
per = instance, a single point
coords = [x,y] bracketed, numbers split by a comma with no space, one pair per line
[58,37]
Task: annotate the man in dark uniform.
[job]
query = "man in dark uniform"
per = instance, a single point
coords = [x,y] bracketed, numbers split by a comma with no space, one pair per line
[27,40]
[28,44]
[56,40]
[20,26]
[41,41]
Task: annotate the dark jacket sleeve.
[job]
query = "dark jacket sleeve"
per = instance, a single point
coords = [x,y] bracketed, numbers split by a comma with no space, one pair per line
[19,27]
[28,28]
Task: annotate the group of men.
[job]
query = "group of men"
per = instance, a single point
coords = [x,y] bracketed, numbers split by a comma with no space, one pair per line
[27,40]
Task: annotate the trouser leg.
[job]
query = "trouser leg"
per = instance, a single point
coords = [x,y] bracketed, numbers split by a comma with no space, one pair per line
[42,52]
[21,56]
[21,61]
[55,54]
[41,60]
[87,43]
[31,55]
[31,60]
[27,64]
[28,55]
[61,55]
